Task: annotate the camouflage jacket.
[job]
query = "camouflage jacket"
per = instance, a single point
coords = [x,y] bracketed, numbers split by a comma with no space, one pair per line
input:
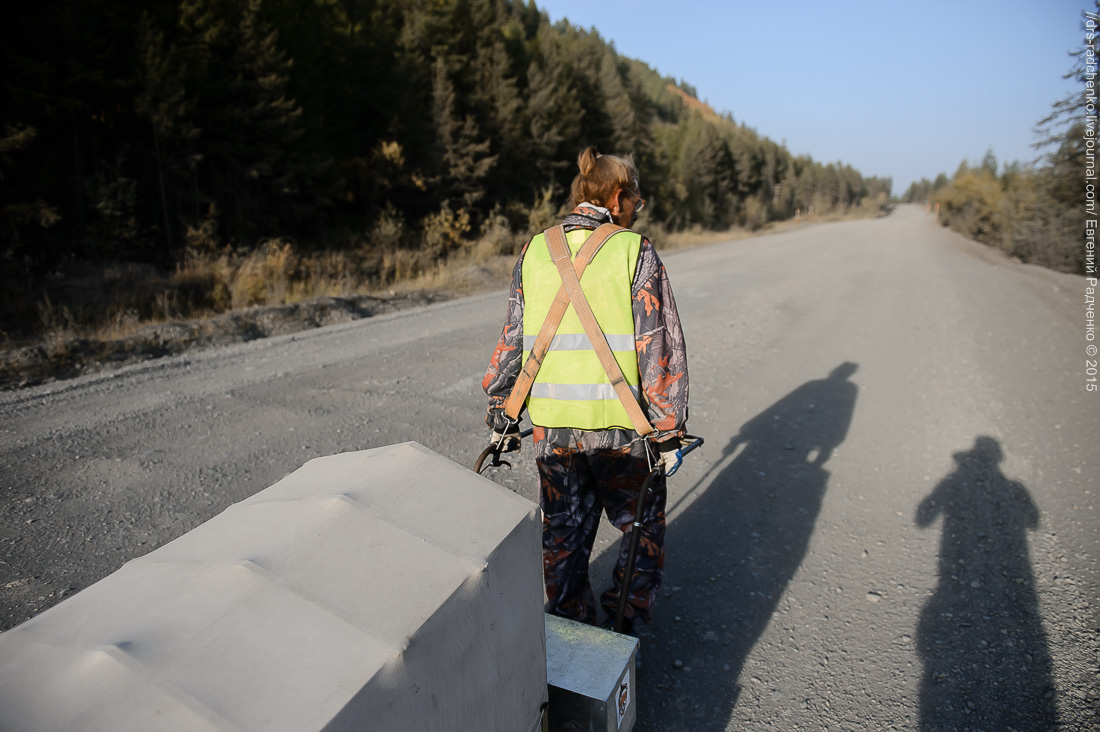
[659,339]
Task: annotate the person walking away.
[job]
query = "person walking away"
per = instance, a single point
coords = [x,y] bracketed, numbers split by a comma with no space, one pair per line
[593,449]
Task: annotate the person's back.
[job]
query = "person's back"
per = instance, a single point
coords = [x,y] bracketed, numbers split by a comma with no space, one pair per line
[592,454]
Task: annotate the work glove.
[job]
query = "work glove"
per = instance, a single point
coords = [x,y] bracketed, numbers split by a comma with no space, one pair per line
[670,456]
[507,441]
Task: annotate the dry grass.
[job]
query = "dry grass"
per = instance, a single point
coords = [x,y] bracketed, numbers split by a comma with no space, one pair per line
[275,274]
[124,299]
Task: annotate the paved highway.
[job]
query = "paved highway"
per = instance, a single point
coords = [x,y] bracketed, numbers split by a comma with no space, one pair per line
[892,524]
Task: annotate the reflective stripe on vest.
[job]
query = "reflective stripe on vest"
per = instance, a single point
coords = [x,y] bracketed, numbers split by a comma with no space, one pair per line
[571,388]
[577,392]
[580,342]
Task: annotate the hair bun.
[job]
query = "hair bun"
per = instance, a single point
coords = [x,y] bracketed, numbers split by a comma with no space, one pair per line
[586,161]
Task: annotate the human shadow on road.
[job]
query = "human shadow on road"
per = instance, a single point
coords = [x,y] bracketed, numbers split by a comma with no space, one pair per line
[980,637]
[734,549]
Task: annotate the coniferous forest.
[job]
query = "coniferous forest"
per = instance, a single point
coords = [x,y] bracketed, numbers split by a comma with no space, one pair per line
[391,132]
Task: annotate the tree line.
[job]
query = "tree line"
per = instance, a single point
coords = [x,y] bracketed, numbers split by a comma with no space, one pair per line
[141,131]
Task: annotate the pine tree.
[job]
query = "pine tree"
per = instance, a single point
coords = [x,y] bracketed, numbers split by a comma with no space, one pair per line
[504,116]
[465,157]
[554,118]
[244,155]
[1067,113]
[164,102]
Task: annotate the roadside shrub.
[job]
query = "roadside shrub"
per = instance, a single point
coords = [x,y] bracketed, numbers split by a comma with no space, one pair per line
[756,213]
[201,238]
[326,273]
[58,326]
[1036,228]
[496,237]
[280,265]
[1016,212]
[972,206]
[389,231]
[246,284]
[195,288]
[403,264]
[544,213]
[445,232]
[121,322]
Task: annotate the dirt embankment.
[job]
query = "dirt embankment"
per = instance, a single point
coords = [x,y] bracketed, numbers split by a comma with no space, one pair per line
[64,358]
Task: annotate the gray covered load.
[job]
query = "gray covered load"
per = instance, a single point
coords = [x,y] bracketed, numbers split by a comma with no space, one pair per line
[388,589]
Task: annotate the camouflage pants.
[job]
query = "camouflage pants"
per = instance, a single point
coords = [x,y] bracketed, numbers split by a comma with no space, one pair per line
[583,474]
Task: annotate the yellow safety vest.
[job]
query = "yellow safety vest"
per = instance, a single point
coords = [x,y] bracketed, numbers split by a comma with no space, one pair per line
[571,388]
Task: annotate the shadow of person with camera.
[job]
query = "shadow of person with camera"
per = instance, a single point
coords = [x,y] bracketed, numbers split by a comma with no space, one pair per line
[980,637]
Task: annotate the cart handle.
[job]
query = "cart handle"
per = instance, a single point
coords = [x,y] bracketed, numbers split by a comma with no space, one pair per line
[492,450]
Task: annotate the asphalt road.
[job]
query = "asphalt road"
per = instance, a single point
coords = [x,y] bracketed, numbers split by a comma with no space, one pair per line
[892,524]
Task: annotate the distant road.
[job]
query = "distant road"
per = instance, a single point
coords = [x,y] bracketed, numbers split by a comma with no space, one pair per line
[893,522]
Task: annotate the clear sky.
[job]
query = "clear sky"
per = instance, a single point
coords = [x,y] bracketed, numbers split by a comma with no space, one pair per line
[897,89]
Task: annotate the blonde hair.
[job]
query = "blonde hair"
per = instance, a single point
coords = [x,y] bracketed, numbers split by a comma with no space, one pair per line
[601,176]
